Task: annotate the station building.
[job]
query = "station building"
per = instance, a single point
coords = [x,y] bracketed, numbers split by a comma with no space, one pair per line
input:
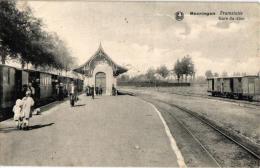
[101,71]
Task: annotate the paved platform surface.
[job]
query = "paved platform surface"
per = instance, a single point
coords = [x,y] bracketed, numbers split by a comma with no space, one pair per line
[107,131]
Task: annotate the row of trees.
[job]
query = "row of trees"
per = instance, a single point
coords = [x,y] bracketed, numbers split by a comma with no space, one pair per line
[23,39]
[183,67]
[210,74]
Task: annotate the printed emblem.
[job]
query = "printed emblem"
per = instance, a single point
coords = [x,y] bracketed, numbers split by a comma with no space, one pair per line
[179,15]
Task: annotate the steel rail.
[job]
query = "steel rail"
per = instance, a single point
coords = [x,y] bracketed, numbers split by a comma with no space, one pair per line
[216,129]
[212,126]
[196,139]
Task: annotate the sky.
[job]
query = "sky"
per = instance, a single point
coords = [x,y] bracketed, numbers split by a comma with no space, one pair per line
[140,35]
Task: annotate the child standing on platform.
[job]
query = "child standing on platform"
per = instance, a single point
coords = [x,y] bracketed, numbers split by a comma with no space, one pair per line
[17,109]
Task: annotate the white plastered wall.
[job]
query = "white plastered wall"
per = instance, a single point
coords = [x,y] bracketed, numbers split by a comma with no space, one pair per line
[110,79]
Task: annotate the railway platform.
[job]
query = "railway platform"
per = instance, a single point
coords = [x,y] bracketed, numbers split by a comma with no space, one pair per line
[106,131]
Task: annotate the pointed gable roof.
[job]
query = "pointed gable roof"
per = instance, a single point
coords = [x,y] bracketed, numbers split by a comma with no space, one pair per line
[100,54]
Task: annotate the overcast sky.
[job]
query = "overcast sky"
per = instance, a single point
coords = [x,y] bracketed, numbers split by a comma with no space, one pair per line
[146,34]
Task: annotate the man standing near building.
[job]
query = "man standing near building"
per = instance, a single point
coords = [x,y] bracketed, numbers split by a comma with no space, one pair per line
[72,93]
[92,91]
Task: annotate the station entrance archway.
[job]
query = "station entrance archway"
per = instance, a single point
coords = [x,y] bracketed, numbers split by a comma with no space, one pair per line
[100,81]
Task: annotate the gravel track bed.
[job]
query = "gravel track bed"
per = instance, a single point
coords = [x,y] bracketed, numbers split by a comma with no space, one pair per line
[223,150]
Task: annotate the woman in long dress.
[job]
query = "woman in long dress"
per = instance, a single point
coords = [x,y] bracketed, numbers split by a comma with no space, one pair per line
[28,102]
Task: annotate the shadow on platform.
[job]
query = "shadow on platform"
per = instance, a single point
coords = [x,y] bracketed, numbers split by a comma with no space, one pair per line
[78,105]
[40,126]
[12,129]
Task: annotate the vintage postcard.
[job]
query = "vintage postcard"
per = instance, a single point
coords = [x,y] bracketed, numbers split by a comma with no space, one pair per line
[129,83]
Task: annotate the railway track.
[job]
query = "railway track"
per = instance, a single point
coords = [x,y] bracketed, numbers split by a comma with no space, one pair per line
[213,127]
[196,139]
[224,133]
[243,103]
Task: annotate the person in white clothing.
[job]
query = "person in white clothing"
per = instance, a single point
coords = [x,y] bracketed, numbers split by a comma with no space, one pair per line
[28,102]
[17,109]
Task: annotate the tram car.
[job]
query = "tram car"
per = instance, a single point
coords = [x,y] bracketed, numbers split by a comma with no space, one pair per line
[243,87]
[14,82]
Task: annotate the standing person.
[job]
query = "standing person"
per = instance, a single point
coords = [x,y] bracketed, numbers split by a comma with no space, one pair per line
[61,92]
[93,92]
[17,109]
[96,90]
[27,104]
[57,90]
[31,89]
[113,90]
[101,91]
[23,92]
[87,90]
[72,93]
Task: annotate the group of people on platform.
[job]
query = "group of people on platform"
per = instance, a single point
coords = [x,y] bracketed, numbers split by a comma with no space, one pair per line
[61,91]
[24,105]
[22,110]
[91,90]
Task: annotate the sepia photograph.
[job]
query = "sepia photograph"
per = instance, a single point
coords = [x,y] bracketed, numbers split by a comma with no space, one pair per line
[129,83]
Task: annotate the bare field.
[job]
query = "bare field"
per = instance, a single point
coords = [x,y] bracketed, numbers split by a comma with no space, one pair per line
[194,89]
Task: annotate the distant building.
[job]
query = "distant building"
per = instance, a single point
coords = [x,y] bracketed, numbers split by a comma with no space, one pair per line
[101,71]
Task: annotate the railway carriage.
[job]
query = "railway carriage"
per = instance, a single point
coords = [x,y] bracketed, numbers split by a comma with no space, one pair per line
[13,82]
[228,87]
[46,88]
[249,86]
[237,87]
[7,88]
[215,86]
[244,87]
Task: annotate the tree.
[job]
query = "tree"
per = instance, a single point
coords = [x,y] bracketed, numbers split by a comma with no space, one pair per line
[224,74]
[216,74]
[22,38]
[187,66]
[11,24]
[208,74]
[184,67]
[236,74]
[150,74]
[163,71]
[244,74]
[124,78]
[178,69]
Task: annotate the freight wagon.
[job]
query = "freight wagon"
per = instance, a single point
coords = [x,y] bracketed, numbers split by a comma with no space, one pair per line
[244,87]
